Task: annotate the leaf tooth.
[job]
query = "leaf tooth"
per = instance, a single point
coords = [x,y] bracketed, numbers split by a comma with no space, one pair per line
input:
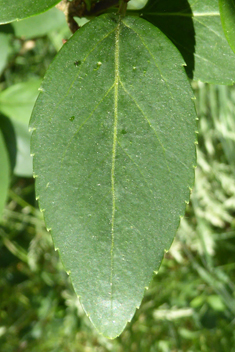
[47,185]
[42,210]
[49,229]
[31,129]
[68,272]
[186,201]
[34,175]
[41,89]
[56,249]
[37,197]
[32,154]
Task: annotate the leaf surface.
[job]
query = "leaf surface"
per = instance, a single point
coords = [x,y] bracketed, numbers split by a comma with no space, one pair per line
[194,26]
[113,144]
[227,11]
[19,9]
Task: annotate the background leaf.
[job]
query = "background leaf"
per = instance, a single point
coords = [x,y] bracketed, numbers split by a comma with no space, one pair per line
[4,173]
[16,10]
[24,166]
[227,12]
[114,161]
[18,100]
[5,49]
[195,28]
[17,103]
[40,25]
[8,132]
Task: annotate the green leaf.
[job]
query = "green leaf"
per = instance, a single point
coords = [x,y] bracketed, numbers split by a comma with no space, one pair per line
[40,25]
[16,10]
[24,165]
[4,173]
[8,132]
[18,100]
[113,144]
[227,11]
[195,28]
[5,49]
[17,103]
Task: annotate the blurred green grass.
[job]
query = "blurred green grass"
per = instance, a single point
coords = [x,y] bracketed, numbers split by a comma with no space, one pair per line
[190,305]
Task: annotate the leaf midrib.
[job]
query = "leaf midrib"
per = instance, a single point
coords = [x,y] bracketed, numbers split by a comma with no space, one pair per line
[116,86]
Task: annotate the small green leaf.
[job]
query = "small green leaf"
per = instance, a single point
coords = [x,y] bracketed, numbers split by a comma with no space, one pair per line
[18,100]
[4,173]
[114,153]
[227,12]
[17,10]
[194,26]
[17,103]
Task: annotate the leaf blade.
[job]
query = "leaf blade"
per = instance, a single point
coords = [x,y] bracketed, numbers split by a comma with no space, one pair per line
[120,204]
[17,10]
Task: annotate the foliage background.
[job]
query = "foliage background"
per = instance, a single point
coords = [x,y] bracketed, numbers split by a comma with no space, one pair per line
[190,305]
